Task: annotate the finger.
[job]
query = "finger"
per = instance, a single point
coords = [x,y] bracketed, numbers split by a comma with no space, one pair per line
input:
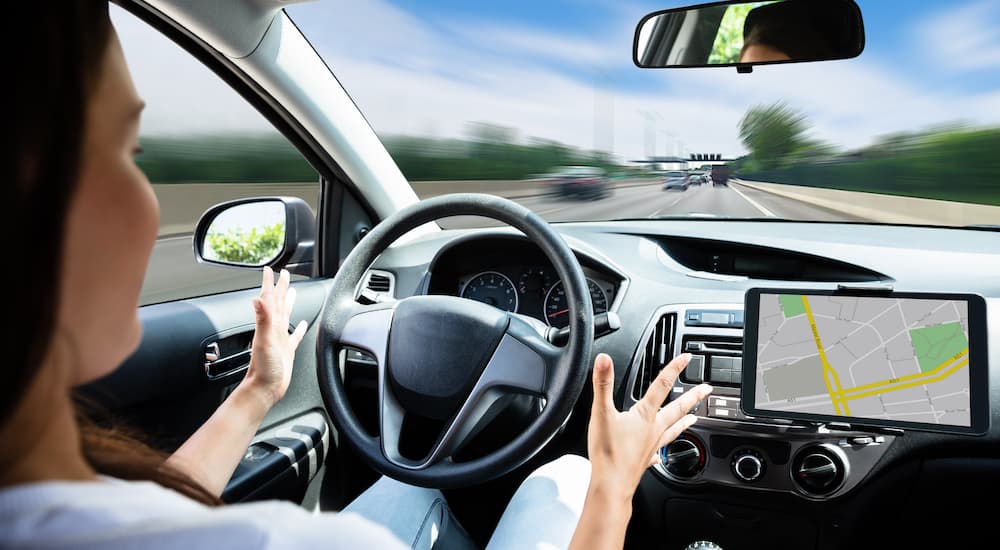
[267,281]
[261,314]
[296,337]
[664,382]
[290,301]
[281,288]
[682,405]
[676,429]
[604,383]
[655,459]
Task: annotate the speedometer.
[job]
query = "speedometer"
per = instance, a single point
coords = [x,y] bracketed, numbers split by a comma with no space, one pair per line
[557,306]
[492,288]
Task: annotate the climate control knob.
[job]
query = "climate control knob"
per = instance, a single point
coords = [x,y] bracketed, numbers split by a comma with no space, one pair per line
[684,457]
[818,471]
[748,465]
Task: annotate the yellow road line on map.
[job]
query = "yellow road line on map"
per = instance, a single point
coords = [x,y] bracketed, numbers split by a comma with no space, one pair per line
[908,377]
[827,369]
[938,378]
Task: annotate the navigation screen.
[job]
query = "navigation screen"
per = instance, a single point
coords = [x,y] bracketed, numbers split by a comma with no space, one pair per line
[895,359]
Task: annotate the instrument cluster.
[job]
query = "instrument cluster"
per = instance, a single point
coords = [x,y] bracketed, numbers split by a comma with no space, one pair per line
[533,290]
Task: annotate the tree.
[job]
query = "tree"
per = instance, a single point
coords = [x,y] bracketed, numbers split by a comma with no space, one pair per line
[729,41]
[255,247]
[773,133]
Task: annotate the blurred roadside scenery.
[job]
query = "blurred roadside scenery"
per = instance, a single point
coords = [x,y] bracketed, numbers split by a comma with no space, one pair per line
[541,103]
[953,162]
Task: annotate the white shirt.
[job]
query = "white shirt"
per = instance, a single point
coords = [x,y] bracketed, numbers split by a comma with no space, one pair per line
[111,513]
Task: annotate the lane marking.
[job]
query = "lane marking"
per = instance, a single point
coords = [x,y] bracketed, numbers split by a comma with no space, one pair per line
[553,210]
[754,203]
[671,205]
[187,237]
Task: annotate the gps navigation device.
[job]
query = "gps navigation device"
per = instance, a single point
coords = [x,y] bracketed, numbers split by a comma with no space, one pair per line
[893,359]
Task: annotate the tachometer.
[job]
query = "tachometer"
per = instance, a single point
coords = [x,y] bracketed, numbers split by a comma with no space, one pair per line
[492,288]
[557,307]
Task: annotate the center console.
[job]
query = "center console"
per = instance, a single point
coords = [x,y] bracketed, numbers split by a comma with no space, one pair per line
[814,461]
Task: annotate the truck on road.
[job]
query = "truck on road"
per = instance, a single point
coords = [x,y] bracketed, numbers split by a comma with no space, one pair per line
[720,175]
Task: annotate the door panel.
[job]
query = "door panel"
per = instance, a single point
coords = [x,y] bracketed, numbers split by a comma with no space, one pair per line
[164,391]
[282,460]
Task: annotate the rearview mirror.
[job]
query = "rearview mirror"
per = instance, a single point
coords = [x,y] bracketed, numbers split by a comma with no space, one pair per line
[254,232]
[744,34]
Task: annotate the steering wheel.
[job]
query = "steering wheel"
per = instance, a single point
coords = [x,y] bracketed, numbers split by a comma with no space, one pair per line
[450,359]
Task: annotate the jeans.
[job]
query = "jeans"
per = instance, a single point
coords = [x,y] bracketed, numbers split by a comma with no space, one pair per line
[541,515]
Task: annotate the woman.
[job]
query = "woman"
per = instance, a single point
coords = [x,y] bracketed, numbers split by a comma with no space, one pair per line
[75,192]
[792,31]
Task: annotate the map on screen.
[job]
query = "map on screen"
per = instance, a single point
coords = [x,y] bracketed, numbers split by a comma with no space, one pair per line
[900,359]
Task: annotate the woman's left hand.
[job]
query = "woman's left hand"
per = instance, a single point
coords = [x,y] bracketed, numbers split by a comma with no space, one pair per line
[273,350]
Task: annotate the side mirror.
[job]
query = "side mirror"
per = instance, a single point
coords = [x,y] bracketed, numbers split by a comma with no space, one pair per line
[744,34]
[274,231]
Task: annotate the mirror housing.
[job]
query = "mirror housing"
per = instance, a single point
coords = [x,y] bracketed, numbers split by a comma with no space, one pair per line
[744,34]
[297,247]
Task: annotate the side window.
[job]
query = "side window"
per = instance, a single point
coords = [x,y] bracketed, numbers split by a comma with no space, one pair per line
[202,144]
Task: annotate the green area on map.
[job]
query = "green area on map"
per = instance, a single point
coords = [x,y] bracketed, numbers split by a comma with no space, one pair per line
[791,305]
[936,344]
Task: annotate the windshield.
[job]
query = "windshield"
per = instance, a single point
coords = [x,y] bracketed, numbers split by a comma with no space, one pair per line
[498,97]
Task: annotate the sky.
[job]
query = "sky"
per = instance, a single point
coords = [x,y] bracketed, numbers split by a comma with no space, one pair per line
[563,70]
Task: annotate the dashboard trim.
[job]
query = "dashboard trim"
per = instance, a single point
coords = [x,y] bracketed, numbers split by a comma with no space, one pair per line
[858,460]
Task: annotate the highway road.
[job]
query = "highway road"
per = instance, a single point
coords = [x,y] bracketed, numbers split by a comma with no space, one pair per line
[734,201]
[173,272]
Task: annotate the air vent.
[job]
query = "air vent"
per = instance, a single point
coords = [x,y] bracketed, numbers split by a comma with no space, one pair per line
[722,363]
[656,354]
[377,286]
[711,345]
[379,283]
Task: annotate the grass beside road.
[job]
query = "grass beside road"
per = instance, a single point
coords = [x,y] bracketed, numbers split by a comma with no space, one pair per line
[960,165]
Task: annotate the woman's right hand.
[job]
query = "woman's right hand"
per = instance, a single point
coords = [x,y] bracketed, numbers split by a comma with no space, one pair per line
[622,445]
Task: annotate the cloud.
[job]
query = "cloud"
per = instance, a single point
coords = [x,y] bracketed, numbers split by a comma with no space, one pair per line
[508,78]
[505,40]
[964,38]
[427,76]
[182,96]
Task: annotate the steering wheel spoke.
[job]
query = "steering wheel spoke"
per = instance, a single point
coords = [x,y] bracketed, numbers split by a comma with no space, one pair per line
[521,363]
[367,329]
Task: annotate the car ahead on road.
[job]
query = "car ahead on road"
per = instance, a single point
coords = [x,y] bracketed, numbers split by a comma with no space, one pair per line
[695,178]
[299,174]
[588,182]
[676,180]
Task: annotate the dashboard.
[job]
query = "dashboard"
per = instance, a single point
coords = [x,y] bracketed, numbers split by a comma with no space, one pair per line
[678,286]
[513,275]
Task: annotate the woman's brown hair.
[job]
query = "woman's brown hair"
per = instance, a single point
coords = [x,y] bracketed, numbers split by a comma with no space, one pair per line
[55,66]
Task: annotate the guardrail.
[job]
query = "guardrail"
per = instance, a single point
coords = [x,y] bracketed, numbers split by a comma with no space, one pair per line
[883,208]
